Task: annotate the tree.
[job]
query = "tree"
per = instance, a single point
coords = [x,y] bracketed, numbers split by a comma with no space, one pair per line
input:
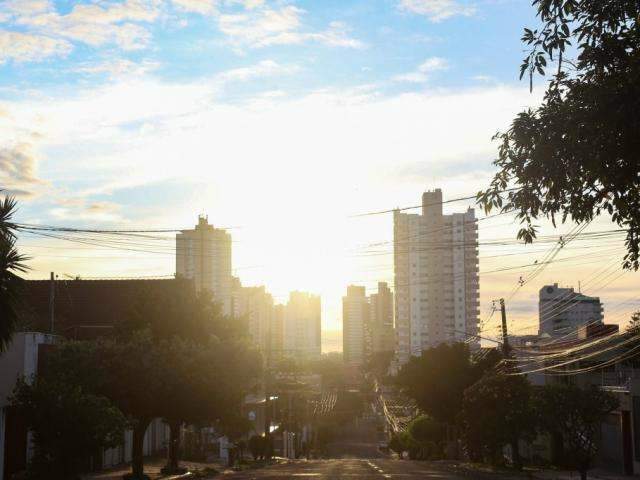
[378,363]
[507,416]
[68,426]
[202,384]
[203,362]
[236,427]
[576,415]
[437,379]
[11,264]
[634,324]
[397,444]
[428,434]
[257,446]
[133,381]
[576,155]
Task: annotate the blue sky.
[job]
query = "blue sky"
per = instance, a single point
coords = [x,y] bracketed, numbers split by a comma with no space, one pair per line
[281,118]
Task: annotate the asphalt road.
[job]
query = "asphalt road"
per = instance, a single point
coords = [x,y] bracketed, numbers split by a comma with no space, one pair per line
[356,469]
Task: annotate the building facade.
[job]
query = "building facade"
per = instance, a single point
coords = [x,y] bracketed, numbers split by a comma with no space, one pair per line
[255,306]
[562,311]
[382,331]
[204,255]
[356,327]
[302,323]
[436,277]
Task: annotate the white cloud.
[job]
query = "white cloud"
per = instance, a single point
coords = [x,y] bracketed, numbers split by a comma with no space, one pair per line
[118,67]
[436,10]
[267,26]
[95,24]
[261,69]
[483,78]
[203,7]
[24,47]
[46,31]
[421,74]
[18,170]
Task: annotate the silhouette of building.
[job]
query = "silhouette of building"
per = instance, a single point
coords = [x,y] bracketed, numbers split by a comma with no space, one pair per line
[302,323]
[255,306]
[562,311]
[204,255]
[382,332]
[86,309]
[435,276]
[356,331]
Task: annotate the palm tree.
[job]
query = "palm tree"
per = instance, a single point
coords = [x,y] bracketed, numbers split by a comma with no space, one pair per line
[11,263]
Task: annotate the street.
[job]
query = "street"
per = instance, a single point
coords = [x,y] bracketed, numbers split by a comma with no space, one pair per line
[356,468]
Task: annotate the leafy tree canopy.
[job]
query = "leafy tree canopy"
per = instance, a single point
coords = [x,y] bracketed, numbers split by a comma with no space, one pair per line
[576,155]
[68,426]
[11,265]
[437,379]
[576,414]
[497,411]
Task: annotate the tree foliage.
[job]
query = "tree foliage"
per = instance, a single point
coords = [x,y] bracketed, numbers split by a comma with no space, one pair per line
[437,379]
[576,414]
[11,265]
[68,426]
[576,155]
[497,411]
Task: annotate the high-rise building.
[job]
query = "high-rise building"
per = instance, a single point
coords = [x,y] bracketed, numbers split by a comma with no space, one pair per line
[204,255]
[356,332]
[302,320]
[382,332]
[255,306]
[277,332]
[436,277]
[562,311]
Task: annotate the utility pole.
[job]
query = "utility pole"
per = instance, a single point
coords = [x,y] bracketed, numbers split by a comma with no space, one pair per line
[505,339]
[52,298]
[267,393]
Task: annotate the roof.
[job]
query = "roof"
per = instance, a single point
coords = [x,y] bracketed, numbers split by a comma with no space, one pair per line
[89,307]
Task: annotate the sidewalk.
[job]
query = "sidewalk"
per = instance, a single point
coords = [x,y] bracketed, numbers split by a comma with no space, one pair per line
[594,474]
[152,468]
[529,473]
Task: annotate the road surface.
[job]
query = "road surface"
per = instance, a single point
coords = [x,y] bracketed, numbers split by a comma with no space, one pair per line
[356,469]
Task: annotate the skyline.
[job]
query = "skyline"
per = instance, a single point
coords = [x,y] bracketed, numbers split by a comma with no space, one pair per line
[279,119]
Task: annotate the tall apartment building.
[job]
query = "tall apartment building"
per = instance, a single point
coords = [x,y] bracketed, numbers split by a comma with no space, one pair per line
[255,306]
[302,321]
[356,329]
[204,255]
[277,332]
[367,323]
[436,277]
[562,311]
[382,331]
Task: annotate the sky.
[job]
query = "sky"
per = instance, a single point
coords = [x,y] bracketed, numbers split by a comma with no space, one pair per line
[279,120]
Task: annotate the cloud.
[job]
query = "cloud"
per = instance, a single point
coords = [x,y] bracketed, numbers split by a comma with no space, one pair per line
[40,30]
[483,78]
[263,68]
[94,24]
[267,26]
[118,67]
[436,10]
[421,74]
[25,47]
[18,171]
[203,7]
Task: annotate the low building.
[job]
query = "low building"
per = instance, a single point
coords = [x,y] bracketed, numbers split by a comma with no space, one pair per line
[22,359]
[86,309]
[562,311]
